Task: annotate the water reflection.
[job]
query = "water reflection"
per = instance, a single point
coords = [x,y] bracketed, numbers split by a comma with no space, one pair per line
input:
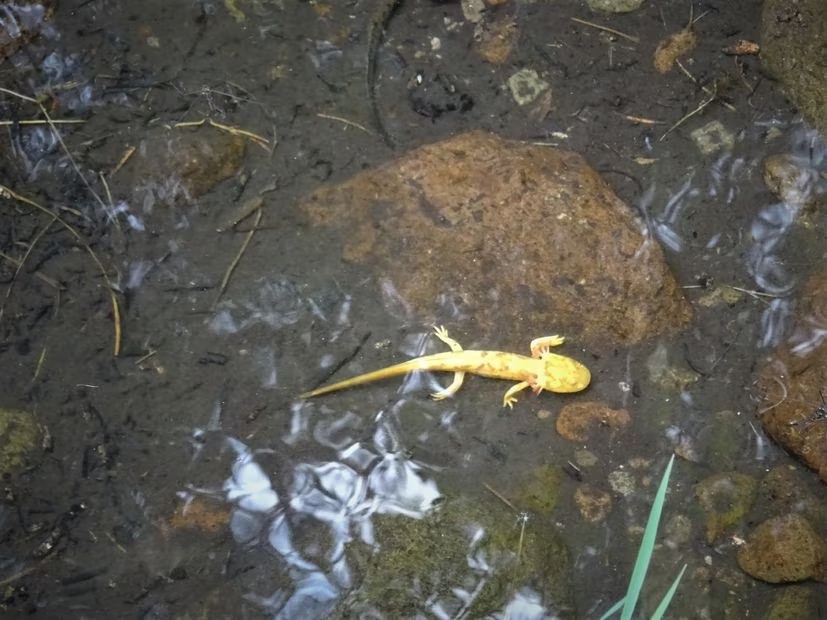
[275,303]
[332,501]
[800,181]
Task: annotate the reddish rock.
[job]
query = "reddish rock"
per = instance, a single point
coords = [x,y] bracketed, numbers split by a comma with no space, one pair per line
[579,421]
[793,380]
[783,550]
[505,232]
[200,515]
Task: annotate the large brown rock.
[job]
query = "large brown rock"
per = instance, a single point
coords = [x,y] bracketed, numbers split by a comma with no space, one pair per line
[794,50]
[510,233]
[793,382]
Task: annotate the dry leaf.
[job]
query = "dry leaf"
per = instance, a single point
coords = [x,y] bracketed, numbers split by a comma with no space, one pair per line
[673,47]
[743,47]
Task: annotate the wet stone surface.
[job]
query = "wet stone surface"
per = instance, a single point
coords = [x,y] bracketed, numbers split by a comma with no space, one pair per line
[582,421]
[793,51]
[19,439]
[784,549]
[174,166]
[792,180]
[792,603]
[481,221]
[792,380]
[725,498]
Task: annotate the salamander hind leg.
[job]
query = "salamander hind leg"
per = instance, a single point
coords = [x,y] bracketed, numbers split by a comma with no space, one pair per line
[452,389]
[542,345]
[442,333]
[509,398]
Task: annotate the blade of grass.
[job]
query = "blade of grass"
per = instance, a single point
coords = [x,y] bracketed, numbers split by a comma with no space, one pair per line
[613,609]
[667,598]
[647,546]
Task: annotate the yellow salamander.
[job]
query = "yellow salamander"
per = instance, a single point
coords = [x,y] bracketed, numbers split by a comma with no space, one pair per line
[542,371]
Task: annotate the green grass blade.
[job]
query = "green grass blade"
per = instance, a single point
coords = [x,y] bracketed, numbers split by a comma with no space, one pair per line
[613,609]
[667,598]
[647,545]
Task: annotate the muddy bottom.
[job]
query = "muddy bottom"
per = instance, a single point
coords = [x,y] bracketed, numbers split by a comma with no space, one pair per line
[163,303]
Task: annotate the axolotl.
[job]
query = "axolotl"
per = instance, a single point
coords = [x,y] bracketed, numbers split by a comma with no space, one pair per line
[544,370]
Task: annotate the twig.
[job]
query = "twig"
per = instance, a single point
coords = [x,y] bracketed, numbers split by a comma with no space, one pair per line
[783,398]
[345,121]
[122,161]
[756,294]
[39,367]
[113,216]
[236,131]
[145,357]
[237,258]
[752,293]
[499,496]
[247,209]
[523,521]
[54,121]
[707,90]
[606,29]
[642,120]
[57,135]
[37,274]
[19,575]
[21,262]
[686,117]
[116,311]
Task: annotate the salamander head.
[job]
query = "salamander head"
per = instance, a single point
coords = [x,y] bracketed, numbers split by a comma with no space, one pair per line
[563,374]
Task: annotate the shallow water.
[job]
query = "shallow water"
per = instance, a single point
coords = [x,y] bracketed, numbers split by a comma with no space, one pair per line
[293,506]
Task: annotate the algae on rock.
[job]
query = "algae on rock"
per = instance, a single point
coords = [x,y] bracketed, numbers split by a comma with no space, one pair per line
[461,546]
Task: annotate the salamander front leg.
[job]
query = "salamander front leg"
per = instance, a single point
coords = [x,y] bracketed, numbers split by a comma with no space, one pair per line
[539,346]
[442,333]
[509,399]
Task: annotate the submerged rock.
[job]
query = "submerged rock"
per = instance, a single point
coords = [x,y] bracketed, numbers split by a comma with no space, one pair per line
[539,490]
[580,421]
[497,230]
[463,560]
[786,489]
[594,504]
[784,549]
[176,166]
[792,180]
[793,603]
[614,6]
[725,498]
[19,434]
[792,382]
